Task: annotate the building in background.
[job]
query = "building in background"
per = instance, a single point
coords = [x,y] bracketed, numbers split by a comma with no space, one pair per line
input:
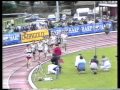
[110,8]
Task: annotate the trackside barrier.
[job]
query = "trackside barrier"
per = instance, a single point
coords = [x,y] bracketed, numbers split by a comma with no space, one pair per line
[11,39]
[26,37]
[34,35]
[84,29]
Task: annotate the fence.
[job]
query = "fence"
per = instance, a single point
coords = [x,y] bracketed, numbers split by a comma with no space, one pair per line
[24,37]
[83,29]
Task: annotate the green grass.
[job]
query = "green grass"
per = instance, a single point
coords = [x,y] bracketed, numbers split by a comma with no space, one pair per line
[70,78]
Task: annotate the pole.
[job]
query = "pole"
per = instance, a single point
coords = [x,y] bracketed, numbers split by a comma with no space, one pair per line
[57,8]
[94,29]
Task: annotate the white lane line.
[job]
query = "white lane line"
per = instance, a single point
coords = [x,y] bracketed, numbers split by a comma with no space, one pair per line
[11,75]
[30,76]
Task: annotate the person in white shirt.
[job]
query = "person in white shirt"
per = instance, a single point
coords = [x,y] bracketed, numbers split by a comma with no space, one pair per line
[28,54]
[53,39]
[64,37]
[34,47]
[12,22]
[40,47]
[106,65]
[52,68]
[80,63]
[46,49]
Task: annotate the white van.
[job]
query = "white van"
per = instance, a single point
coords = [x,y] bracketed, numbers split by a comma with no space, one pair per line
[52,17]
[66,11]
[81,13]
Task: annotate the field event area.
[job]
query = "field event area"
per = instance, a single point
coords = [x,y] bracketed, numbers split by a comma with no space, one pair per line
[71,78]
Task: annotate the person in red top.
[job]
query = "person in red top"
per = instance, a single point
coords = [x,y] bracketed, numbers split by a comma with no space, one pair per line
[56,55]
[57,50]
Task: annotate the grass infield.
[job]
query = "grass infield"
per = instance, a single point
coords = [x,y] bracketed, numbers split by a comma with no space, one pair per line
[71,78]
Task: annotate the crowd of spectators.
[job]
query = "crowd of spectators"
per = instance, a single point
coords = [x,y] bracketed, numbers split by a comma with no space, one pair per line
[30,27]
[49,24]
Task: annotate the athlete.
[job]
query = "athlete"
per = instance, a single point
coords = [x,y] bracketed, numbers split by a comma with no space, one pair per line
[40,47]
[28,53]
[64,37]
[59,39]
[53,39]
[34,47]
[46,49]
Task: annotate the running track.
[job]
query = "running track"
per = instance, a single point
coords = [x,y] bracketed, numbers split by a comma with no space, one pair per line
[14,69]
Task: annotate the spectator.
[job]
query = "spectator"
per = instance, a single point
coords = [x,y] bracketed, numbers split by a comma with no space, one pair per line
[94,65]
[84,21]
[96,21]
[80,63]
[95,60]
[12,22]
[105,65]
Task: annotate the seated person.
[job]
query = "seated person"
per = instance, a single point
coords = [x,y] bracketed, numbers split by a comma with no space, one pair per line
[106,65]
[95,60]
[52,68]
[80,63]
[94,65]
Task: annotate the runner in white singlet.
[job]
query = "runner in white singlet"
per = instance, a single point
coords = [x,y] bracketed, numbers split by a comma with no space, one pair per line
[40,47]
[64,38]
[29,55]
[34,47]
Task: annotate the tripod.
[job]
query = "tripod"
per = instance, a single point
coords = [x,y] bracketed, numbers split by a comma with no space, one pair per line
[45,76]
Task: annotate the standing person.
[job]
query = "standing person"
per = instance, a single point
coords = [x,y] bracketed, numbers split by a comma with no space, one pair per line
[57,54]
[40,47]
[34,47]
[46,47]
[106,65]
[53,39]
[28,52]
[64,37]
[59,40]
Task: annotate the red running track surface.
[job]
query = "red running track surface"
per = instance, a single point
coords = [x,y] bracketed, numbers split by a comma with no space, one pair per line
[15,74]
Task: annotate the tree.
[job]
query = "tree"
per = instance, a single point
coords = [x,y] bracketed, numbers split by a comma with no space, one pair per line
[50,3]
[71,4]
[31,5]
[17,3]
[8,7]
